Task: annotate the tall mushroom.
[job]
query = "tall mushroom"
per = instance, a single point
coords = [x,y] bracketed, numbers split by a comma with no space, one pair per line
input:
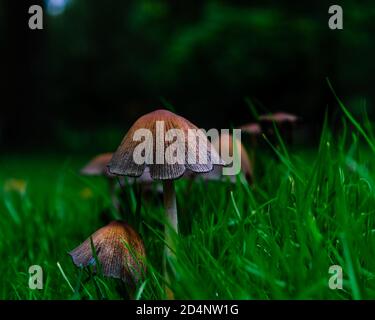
[171,145]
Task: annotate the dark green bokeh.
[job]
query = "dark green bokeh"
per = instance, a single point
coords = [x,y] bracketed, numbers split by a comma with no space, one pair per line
[99,65]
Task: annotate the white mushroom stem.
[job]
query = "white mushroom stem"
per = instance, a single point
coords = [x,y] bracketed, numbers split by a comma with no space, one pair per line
[170,227]
[171,211]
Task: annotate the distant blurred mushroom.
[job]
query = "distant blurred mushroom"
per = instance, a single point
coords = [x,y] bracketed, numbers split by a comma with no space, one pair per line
[253,132]
[225,147]
[252,128]
[119,250]
[279,117]
[97,166]
[123,162]
[285,123]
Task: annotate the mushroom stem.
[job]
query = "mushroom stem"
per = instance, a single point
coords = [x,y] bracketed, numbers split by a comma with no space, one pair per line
[172,224]
[171,209]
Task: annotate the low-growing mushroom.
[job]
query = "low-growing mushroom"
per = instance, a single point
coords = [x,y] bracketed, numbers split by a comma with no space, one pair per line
[165,130]
[285,123]
[98,166]
[225,147]
[252,128]
[252,131]
[119,250]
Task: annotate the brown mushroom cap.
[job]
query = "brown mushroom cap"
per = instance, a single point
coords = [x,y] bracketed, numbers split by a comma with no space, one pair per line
[98,165]
[122,162]
[279,117]
[119,249]
[252,128]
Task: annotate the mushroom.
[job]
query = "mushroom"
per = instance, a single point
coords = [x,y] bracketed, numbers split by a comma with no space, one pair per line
[97,166]
[252,128]
[253,131]
[279,117]
[224,146]
[284,121]
[160,124]
[119,250]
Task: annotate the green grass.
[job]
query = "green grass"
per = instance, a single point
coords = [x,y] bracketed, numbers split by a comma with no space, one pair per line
[309,209]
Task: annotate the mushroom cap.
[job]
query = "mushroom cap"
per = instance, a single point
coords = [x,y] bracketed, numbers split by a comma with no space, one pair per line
[279,117]
[97,166]
[224,146]
[119,249]
[123,163]
[252,128]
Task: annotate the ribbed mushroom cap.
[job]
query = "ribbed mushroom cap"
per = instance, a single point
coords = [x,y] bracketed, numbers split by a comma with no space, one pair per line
[98,165]
[224,146]
[123,163]
[279,117]
[119,249]
[252,128]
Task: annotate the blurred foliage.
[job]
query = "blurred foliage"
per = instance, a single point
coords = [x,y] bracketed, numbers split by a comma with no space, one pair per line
[104,63]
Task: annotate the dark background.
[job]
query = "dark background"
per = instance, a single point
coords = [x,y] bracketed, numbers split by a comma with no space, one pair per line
[79,83]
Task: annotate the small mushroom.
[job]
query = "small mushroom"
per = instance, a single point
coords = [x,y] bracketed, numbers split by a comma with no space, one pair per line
[252,131]
[123,163]
[120,252]
[285,123]
[224,146]
[279,117]
[252,128]
[98,166]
